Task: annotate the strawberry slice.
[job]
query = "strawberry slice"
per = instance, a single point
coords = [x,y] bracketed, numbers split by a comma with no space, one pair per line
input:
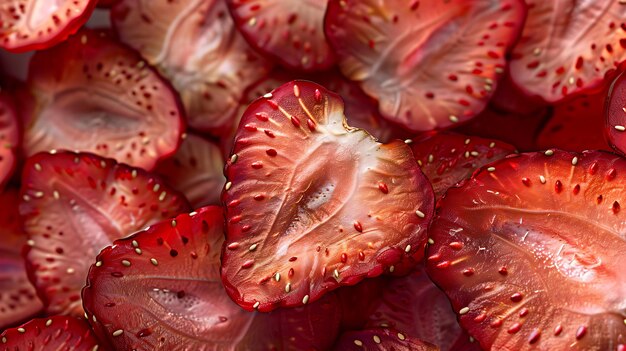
[359,301]
[289,31]
[93,82]
[380,340]
[74,205]
[54,333]
[314,204]
[430,64]
[18,299]
[448,158]
[161,289]
[196,45]
[568,46]
[196,170]
[530,251]
[39,24]
[615,120]
[9,138]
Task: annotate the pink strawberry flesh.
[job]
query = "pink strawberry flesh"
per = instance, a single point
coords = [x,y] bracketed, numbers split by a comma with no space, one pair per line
[380,340]
[9,138]
[196,170]
[568,46]
[530,252]
[430,64]
[39,24]
[448,158]
[93,94]
[162,288]
[313,204]
[53,333]
[18,299]
[615,115]
[196,45]
[74,205]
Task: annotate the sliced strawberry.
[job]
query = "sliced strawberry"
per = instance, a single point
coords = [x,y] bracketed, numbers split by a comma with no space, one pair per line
[430,64]
[196,45]
[74,205]
[18,299]
[93,94]
[9,138]
[568,46]
[39,24]
[161,289]
[448,158]
[313,204]
[531,252]
[380,340]
[196,170]
[615,120]
[50,334]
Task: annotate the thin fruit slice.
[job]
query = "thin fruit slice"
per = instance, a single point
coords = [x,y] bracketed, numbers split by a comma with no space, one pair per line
[39,24]
[380,340]
[568,46]
[93,94]
[9,138]
[289,31]
[18,299]
[161,289]
[196,45]
[51,334]
[196,170]
[430,64]
[615,120]
[313,204]
[74,205]
[530,252]
[448,158]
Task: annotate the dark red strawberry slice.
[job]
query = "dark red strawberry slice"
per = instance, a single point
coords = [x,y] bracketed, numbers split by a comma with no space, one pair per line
[196,45]
[18,299]
[51,334]
[531,251]
[511,99]
[39,24]
[93,94]
[196,170]
[430,64]
[380,340]
[9,138]
[615,120]
[359,301]
[289,31]
[74,205]
[161,289]
[448,158]
[313,204]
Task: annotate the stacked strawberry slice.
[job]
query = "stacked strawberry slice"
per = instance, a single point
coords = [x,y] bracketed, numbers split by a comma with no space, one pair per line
[313,175]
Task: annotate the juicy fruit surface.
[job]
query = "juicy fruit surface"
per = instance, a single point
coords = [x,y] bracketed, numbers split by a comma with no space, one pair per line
[312,204]
[530,252]
[289,31]
[430,64]
[568,46]
[9,138]
[380,340]
[162,288]
[39,24]
[615,120]
[93,94]
[196,45]
[74,205]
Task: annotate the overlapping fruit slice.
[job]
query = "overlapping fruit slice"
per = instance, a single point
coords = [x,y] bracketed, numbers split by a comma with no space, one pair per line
[289,31]
[9,138]
[74,205]
[18,299]
[313,204]
[196,170]
[380,340]
[615,119]
[54,333]
[568,46]
[196,45]
[531,252]
[447,158]
[39,24]
[430,64]
[93,94]
[161,289]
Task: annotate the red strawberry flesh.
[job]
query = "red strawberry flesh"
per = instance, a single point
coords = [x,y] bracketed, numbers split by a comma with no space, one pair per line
[380,340]
[9,138]
[615,119]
